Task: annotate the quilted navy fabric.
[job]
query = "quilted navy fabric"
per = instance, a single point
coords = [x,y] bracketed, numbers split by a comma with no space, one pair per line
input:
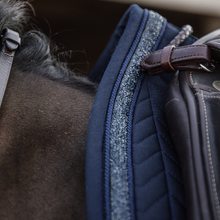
[157,173]
[156,189]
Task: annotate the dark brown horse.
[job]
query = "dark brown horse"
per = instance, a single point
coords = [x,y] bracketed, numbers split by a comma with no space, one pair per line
[43,127]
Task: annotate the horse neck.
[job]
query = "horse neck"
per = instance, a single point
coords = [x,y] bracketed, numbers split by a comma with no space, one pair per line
[43,128]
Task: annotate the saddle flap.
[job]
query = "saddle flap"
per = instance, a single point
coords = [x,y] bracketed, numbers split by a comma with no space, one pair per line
[192,109]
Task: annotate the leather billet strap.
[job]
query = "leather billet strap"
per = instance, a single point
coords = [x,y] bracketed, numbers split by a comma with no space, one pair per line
[10,41]
[172,58]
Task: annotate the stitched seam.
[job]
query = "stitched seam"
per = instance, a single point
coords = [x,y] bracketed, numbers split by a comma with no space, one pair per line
[191,55]
[178,200]
[159,105]
[191,78]
[176,58]
[174,176]
[161,123]
[143,100]
[148,118]
[153,204]
[145,138]
[142,120]
[150,180]
[214,189]
[213,48]
[209,96]
[157,89]
[171,158]
[180,48]
[167,141]
[153,155]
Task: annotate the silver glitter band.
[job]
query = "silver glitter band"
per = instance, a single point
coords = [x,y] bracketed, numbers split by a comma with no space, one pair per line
[119,188]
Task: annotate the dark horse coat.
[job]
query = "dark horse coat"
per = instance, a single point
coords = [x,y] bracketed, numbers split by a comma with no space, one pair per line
[43,128]
[132,170]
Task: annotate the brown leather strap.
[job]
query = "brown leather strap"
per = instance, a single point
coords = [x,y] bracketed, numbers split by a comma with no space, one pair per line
[170,59]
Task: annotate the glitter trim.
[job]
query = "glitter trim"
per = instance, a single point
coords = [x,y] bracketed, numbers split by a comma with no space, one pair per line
[109,116]
[118,167]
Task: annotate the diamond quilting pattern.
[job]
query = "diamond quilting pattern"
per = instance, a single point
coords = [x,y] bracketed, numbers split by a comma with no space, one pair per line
[159,192]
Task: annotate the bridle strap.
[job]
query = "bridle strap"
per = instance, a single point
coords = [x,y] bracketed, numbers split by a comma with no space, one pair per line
[10,41]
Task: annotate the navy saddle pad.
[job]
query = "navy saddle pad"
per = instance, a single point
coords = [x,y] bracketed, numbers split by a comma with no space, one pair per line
[132,168]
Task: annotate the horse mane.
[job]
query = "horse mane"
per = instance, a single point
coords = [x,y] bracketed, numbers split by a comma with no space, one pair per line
[44,120]
[37,54]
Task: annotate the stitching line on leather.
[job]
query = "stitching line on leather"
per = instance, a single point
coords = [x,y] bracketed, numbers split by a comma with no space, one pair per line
[193,83]
[180,48]
[213,48]
[188,56]
[150,64]
[211,96]
[191,78]
[210,161]
[177,48]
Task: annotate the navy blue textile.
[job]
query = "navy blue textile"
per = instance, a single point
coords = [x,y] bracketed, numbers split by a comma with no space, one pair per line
[158,188]
[157,173]
[94,155]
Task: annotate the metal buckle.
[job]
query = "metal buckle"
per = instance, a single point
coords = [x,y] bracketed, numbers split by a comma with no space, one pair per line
[209,70]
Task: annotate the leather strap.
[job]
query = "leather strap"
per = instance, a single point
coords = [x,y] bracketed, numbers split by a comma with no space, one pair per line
[170,59]
[10,42]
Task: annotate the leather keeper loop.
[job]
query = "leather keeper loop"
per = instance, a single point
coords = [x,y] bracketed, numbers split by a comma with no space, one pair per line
[165,59]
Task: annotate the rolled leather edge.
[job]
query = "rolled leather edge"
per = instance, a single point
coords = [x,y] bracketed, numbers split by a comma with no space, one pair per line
[183,121]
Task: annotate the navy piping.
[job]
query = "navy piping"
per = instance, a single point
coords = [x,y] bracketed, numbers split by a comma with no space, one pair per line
[109,116]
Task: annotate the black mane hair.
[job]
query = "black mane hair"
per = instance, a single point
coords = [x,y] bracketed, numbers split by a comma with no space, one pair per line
[36,53]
